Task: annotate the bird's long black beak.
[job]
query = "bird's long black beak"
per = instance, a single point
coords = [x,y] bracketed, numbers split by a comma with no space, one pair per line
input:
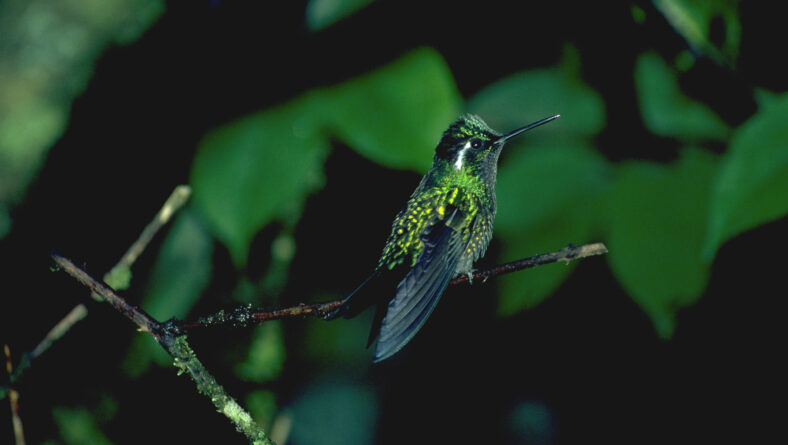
[514,133]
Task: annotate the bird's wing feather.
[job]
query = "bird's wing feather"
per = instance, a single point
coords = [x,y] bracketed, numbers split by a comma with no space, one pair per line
[419,292]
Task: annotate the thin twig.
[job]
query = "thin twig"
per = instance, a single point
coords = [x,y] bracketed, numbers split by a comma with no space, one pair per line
[76,314]
[119,276]
[566,255]
[13,398]
[245,316]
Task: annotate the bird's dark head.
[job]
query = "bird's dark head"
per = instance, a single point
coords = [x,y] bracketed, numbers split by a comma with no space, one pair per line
[470,144]
[466,139]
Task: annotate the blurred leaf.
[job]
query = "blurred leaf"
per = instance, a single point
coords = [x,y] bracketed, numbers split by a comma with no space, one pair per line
[334,412]
[119,277]
[77,426]
[340,341]
[180,273]
[525,97]
[142,351]
[255,170]
[751,187]
[695,21]
[666,110]
[266,354]
[395,115]
[47,62]
[657,224]
[548,197]
[262,407]
[324,13]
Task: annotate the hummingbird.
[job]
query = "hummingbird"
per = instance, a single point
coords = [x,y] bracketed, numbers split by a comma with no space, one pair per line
[443,229]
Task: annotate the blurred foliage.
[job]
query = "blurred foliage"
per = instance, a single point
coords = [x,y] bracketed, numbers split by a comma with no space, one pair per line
[752,180]
[317,421]
[78,426]
[666,110]
[657,218]
[663,222]
[266,354]
[523,97]
[549,196]
[47,52]
[262,168]
[324,13]
[710,27]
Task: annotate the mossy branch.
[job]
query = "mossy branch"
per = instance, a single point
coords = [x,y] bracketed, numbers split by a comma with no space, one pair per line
[176,346]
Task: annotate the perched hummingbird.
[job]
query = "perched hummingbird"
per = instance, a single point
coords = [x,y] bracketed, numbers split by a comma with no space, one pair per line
[445,227]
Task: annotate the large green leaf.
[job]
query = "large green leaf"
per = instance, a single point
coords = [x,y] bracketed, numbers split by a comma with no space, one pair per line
[548,197]
[751,187]
[530,95]
[395,115]
[256,170]
[666,110]
[656,230]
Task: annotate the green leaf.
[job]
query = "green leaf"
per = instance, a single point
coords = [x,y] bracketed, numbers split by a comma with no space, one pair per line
[256,170]
[182,269]
[78,426]
[657,224]
[693,20]
[338,342]
[548,197]
[751,187]
[395,115]
[666,110]
[524,97]
[266,354]
[180,273]
[262,407]
[324,13]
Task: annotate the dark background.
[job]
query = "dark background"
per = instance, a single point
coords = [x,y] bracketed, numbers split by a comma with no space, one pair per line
[588,355]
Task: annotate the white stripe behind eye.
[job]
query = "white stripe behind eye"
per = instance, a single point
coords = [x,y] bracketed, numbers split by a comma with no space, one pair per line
[461,156]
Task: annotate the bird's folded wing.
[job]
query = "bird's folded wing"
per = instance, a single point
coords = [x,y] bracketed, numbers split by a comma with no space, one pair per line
[419,292]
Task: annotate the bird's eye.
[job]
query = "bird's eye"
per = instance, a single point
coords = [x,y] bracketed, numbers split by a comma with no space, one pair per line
[476,143]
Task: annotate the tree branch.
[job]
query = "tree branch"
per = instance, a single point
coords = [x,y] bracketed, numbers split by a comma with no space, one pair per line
[172,340]
[246,316]
[119,277]
[170,334]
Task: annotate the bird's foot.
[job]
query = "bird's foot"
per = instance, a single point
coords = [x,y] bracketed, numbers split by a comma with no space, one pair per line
[470,275]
